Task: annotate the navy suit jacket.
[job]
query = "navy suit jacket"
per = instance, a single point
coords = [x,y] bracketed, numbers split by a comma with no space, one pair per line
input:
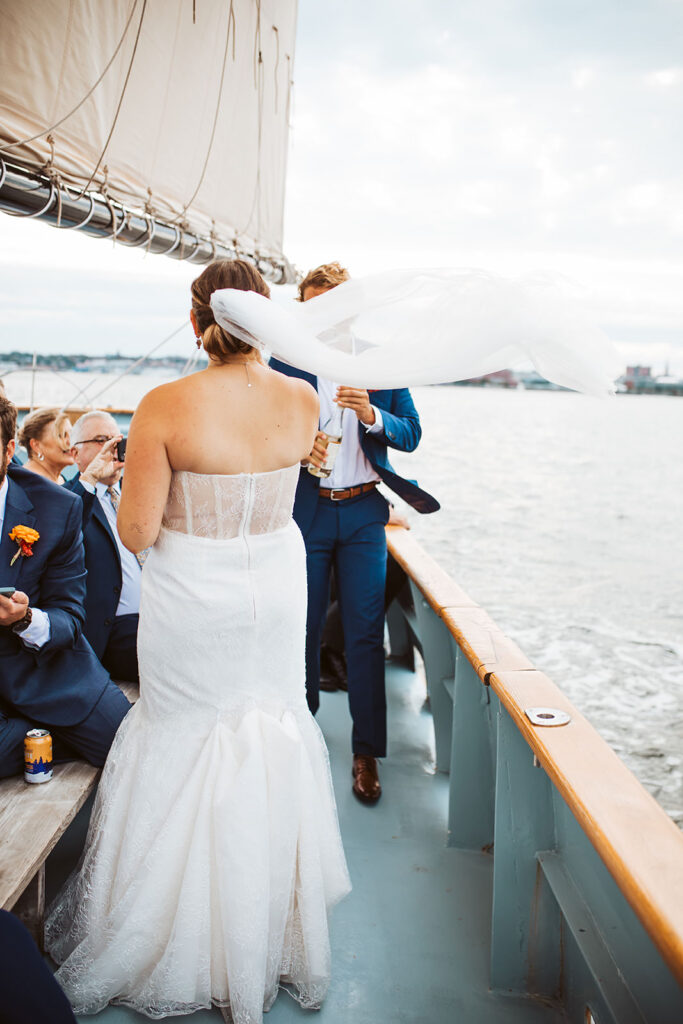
[60,683]
[402,431]
[103,562]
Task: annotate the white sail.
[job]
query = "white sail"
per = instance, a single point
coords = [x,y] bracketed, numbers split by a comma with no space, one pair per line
[176,107]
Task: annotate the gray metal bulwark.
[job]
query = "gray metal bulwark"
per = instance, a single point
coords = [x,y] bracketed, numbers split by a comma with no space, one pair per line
[472,783]
[525,928]
[439,668]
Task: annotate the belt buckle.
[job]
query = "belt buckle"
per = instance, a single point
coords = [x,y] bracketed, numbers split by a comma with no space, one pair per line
[334,491]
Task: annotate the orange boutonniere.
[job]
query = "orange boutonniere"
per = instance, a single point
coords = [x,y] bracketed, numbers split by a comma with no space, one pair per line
[25,538]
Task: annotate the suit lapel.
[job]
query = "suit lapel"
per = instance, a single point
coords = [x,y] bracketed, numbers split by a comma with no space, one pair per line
[18,512]
[101,517]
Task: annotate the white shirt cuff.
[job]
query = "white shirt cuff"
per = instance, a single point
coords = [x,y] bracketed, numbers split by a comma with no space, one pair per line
[86,485]
[37,632]
[378,426]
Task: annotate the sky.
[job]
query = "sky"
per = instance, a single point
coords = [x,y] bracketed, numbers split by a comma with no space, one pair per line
[514,135]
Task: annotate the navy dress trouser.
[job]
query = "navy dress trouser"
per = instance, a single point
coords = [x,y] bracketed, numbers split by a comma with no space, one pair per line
[28,991]
[90,738]
[350,534]
[121,654]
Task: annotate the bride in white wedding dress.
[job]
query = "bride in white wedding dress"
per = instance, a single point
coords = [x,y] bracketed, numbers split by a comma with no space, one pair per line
[213,855]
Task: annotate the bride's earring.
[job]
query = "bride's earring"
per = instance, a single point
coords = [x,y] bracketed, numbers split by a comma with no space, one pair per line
[198,339]
[41,457]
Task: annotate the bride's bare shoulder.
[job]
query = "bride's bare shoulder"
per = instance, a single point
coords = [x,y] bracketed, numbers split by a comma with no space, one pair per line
[167,395]
[157,404]
[298,389]
[302,399]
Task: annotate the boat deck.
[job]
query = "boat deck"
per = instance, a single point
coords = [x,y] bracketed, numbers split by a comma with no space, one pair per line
[411,944]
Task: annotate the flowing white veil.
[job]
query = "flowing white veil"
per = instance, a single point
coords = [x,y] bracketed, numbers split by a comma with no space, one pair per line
[410,327]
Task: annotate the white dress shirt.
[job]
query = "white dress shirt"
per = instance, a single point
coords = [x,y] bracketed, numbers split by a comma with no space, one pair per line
[129,601]
[351,467]
[37,632]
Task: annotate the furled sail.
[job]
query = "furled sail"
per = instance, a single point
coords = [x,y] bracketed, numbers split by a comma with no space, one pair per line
[173,110]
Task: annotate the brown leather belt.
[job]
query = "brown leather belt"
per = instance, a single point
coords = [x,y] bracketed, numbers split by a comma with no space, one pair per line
[347,492]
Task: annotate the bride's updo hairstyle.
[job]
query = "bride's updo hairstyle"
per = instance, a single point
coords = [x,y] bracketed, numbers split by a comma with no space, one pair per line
[223,274]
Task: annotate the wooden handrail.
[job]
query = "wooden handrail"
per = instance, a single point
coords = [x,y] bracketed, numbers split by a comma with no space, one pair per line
[636,840]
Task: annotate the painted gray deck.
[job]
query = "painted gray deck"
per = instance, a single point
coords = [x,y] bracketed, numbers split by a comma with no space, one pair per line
[411,943]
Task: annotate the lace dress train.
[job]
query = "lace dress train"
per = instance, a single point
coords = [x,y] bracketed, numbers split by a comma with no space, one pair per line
[213,855]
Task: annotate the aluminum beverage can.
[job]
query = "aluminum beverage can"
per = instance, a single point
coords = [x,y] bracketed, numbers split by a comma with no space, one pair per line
[37,756]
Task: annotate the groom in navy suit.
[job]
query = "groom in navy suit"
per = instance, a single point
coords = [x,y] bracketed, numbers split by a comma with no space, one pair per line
[342,520]
[49,675]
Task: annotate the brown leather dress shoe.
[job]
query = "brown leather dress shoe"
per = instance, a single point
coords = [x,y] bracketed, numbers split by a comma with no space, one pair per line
[365,778]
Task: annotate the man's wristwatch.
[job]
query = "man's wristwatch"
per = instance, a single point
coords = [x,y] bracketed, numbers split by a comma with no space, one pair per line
[22,624]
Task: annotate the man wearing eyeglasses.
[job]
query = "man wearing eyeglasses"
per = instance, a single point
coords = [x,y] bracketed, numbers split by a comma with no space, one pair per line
[112,601]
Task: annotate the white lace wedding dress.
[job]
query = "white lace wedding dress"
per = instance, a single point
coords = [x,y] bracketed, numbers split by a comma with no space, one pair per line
[214,854]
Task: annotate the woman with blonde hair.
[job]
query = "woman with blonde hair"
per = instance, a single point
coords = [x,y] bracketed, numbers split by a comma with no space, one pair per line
[45,436]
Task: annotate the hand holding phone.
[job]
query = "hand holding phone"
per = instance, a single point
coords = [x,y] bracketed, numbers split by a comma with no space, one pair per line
[120,450]
[13,607]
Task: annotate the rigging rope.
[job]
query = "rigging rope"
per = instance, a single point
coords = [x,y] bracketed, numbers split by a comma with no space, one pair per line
[118,108]
[142,359]
[258,81]
[191,363]
[231,19]
[46,131]
[277,64]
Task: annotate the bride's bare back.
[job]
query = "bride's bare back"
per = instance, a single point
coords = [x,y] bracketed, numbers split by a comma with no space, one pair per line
[235,417]
[240,417]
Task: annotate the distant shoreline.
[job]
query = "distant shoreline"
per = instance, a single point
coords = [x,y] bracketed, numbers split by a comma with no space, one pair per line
[63,379]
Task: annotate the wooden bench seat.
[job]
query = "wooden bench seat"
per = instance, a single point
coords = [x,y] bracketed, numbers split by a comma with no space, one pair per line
[32,821]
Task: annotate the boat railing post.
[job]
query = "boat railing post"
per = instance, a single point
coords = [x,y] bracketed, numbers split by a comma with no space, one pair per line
[471,803]
[400,638]
[33,382]
[437,654]
[526,929]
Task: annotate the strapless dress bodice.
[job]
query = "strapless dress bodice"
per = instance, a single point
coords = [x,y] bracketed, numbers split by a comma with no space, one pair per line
[224,506]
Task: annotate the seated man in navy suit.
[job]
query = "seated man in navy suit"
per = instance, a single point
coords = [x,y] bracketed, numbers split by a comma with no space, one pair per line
[342,521]
[29,989]
[50,676]
[112,597]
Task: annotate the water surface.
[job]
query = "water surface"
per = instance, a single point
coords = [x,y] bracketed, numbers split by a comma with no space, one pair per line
[561,515]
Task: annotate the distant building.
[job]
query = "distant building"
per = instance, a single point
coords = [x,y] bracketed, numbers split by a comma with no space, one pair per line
[636,378]
[639,380]
[497,379]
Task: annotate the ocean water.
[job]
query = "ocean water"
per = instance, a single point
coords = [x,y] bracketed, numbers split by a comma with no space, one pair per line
[562,516]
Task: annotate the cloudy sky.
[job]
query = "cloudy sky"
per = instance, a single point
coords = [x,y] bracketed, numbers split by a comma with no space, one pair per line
[515,135]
